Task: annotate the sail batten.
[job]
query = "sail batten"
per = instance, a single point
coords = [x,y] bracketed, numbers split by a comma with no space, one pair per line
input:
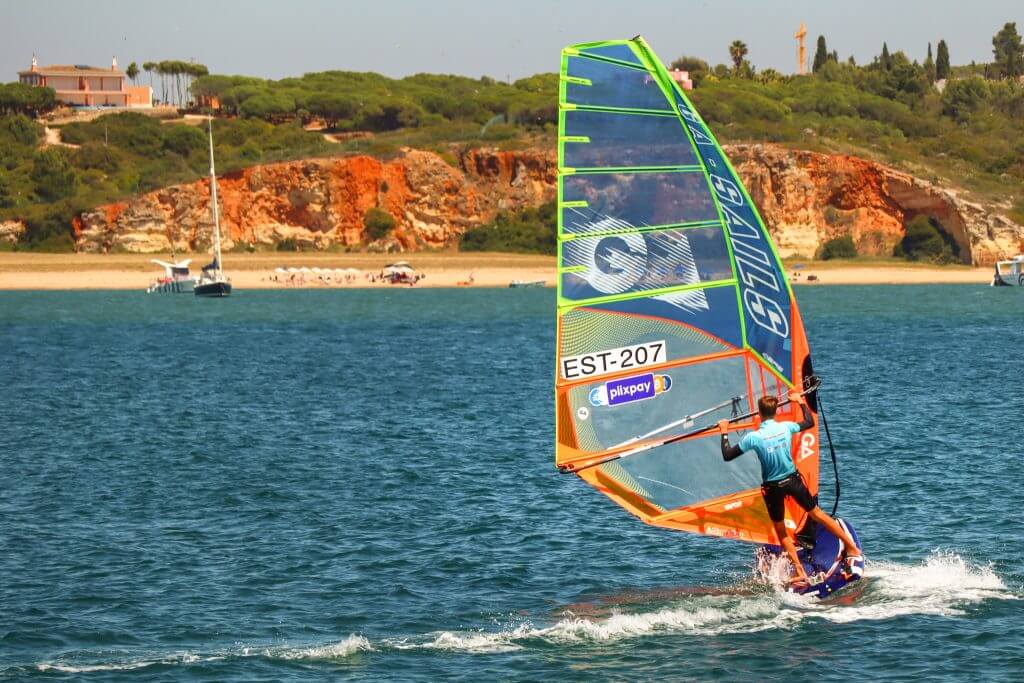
[673,308]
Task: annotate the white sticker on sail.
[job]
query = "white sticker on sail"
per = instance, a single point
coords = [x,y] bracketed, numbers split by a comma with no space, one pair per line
[614,360]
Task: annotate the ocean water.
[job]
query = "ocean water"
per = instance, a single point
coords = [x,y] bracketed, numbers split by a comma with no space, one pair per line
[360,485]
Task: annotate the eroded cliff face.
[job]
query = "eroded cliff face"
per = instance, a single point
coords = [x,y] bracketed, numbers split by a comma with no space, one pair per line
[318,203]
[806,198]
[11,231]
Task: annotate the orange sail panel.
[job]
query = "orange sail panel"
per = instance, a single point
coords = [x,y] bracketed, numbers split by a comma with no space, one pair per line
[674,311]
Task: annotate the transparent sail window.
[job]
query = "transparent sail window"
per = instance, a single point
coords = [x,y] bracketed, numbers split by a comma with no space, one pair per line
[625,140]
[627,201]
[621,52]
[685,473]
[654,404]
[613,85]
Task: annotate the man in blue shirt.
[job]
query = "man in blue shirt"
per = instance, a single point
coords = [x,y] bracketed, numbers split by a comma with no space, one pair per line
[772,442]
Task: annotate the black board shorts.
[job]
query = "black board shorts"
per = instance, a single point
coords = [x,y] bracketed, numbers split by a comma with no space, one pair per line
[775,493]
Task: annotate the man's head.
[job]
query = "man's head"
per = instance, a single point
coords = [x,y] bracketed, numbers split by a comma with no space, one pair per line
[766,406]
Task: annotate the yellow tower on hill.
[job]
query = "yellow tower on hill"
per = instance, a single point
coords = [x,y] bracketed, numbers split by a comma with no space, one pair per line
[801,50]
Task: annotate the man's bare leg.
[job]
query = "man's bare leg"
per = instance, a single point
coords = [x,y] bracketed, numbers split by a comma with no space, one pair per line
[785,542]
[818,515]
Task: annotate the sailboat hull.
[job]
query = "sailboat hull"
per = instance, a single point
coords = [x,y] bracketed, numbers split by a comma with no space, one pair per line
[213,289]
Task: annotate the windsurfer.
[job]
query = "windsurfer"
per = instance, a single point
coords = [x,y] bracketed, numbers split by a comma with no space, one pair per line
[772,443]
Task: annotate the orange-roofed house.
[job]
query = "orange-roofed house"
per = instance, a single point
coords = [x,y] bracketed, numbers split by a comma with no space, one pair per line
[88,86]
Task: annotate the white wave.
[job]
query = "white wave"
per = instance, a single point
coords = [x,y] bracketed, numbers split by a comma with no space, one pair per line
[349,646]
[745,615]
[941,585]
[345,648]
[125,665]
[944,584]
[89,668]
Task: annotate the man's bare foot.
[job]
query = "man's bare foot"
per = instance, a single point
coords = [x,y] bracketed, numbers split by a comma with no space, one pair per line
[800,578]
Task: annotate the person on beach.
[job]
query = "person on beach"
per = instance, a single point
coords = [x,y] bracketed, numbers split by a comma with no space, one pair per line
[772,443]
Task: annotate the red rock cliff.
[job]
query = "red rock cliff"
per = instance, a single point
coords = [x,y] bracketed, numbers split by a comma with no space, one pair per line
[322,202]
[805,197]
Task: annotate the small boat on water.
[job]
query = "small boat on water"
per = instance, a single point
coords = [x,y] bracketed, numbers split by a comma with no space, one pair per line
[213,283]
[520,284]
[176,278]
[1009,273]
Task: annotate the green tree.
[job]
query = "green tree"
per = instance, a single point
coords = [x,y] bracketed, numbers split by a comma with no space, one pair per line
[942,61]
[52,175]
[7,199]
[820,55]
[378,223]
[268,106]
[1008,51]
[737,51]
[21,130]
[929,65]
[183,140]
[886,58]
[531,231]
[132,72]
[964,96]
[30,100]
[332,107]
[838,247]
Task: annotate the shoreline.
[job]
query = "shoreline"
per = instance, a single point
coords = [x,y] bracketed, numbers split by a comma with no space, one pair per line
[57,272]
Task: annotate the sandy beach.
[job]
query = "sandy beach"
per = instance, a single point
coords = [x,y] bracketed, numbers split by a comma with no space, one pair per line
[23,271]
[28,271]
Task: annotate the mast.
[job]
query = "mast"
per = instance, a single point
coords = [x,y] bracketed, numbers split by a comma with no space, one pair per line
[213,196]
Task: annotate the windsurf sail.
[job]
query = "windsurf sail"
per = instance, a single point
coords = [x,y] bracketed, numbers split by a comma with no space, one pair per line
[674,311]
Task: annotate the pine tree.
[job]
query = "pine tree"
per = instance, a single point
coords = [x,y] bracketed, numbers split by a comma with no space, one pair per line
[942,61]
[1008,51]
[820,55]
[886,57]
[929,65]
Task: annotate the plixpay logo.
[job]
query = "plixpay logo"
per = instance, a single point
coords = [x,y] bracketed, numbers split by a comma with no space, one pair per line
[630,389]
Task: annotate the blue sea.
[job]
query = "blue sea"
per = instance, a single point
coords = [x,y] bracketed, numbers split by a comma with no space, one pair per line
[331,485]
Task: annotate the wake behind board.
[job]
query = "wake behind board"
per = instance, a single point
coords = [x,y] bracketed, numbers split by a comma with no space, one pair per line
[823,562]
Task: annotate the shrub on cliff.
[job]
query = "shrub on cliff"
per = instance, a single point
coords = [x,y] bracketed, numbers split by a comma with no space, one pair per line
[378,223]
[837,247]
[52,175]
[531,231]
[924,240]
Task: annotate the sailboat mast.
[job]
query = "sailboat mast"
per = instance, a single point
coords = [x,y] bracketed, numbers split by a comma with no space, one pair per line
[213,196]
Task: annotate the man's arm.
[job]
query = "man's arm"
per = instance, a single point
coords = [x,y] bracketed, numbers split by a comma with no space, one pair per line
[808,421]
[728,452]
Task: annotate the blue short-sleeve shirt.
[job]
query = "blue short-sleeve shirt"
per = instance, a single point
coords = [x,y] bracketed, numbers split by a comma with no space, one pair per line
[772,443]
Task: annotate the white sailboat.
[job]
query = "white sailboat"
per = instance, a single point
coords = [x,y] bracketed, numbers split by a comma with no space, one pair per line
[212,282]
